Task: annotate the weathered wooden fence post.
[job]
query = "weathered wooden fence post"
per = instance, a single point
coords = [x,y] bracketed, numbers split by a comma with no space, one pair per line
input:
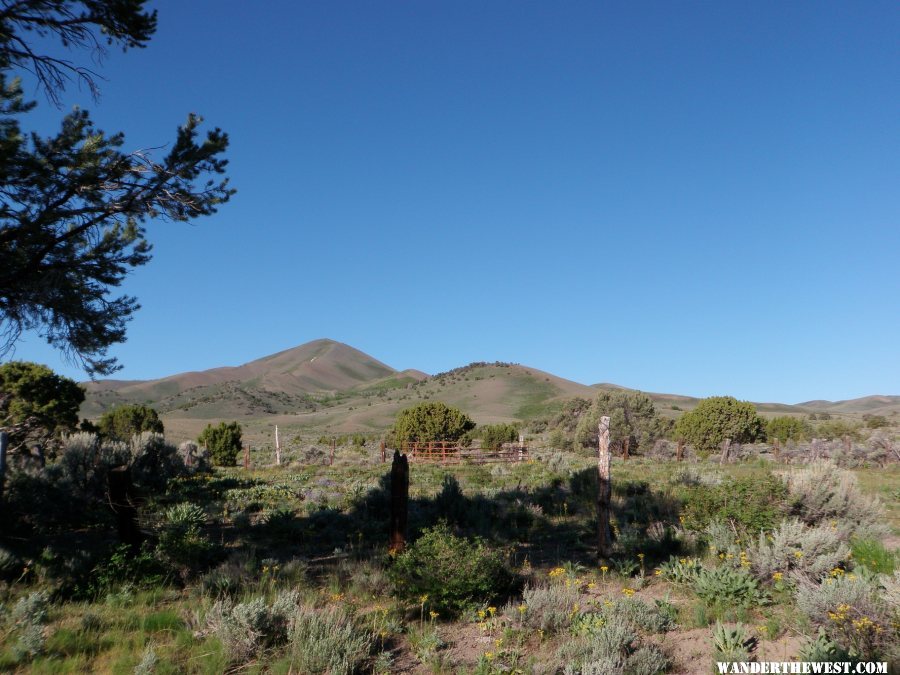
[399,502]
[383,454]
[679,451]
[247,456]
[604,492]
[4,443]
[776,448]
[848,445]
[726,447]
[625,447]
[122,502]
[521,447]
[331,459]
[277,448]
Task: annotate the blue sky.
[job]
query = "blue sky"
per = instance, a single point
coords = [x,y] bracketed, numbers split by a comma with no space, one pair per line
[694,197]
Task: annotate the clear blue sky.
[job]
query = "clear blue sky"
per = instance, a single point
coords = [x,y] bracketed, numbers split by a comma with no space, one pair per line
[699,198]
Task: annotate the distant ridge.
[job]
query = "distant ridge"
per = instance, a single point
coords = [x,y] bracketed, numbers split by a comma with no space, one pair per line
[321,366]
[328,386]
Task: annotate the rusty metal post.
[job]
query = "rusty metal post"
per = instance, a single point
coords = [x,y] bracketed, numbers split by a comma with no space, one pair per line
[604,492]
[399,502]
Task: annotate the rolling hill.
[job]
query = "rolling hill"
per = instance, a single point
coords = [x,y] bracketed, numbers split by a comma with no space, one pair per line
[326,386]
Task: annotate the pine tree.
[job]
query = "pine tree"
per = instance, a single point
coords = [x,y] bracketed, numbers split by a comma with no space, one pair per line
[74,206]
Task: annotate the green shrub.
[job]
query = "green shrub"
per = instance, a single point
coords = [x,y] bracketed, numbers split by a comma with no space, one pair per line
[223,442]
[125,421]
[822,649]
[752,503]
[733,643]
[493,436]
[123,566]
[451,572]
[728,587]
[182,543]
[633,422]
[719,418]
[681,570]
[431,421]
[788,428]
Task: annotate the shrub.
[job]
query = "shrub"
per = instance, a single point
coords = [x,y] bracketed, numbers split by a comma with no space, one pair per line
[182,543]
[29,616]
[681,570]
[549,608]
[822,649]
[124,567]
[37,404]
[655,619]
[493,436]
[633,422]
[194,458]
[328,641]
[824,494]
[718,418]
[223,442]
[249,627]
[752,503]
[125,421]
[856,612]
[612,648]
[798,550]
[431,421]
[453,573]
[787,428]
[733,643]
[154,462]
[876,421]
[728,587]
[10,565]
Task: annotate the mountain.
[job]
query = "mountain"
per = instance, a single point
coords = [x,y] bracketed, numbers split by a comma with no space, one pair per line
[277,383]
[873,405]
[326,387]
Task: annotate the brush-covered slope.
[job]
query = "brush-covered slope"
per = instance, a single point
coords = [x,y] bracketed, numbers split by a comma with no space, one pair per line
[872,405]
[287,381]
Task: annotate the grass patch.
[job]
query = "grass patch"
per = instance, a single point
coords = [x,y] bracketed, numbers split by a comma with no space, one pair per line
[873,556]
